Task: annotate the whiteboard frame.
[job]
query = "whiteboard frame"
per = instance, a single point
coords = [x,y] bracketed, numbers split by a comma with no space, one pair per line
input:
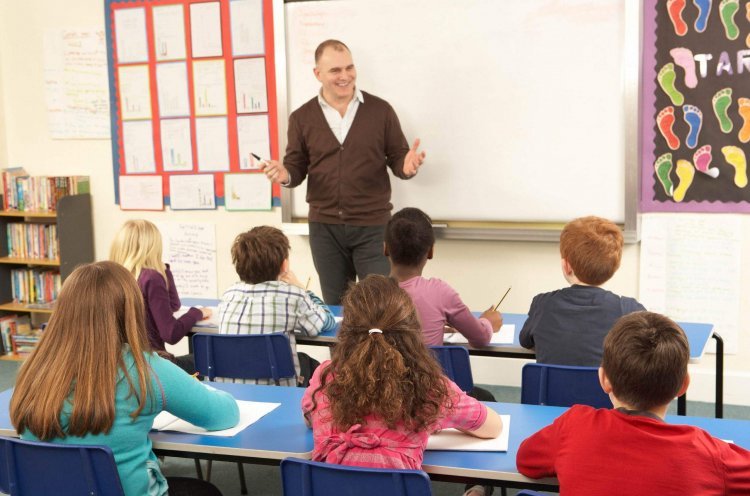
[501,231]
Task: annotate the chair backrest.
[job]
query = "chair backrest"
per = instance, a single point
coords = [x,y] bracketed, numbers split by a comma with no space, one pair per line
[246,356]
[32,467]
[527,492]
[308,478]
[561,385]
[456,365]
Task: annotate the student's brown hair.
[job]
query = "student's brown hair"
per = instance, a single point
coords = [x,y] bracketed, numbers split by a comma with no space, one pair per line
[593,248]
[391,375]
[335,44]
[645,359]
[259,253]
[99,311]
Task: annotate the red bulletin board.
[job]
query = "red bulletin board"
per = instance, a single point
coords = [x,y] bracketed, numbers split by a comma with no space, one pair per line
[120,168]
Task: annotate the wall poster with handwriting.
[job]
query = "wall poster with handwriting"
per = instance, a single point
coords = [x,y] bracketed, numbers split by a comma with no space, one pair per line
[186,78]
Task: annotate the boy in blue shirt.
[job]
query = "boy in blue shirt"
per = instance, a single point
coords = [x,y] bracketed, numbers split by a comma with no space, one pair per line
[568,326]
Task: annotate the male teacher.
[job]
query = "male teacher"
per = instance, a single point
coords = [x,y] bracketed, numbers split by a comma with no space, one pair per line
[342,141]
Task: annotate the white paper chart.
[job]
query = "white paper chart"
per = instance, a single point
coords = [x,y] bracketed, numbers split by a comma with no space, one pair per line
[193,85]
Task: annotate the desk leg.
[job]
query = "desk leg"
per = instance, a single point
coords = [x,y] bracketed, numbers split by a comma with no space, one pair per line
[719,375]
[682,404]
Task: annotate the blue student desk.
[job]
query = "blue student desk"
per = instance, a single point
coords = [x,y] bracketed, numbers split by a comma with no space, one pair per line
[283,433]
[698,337]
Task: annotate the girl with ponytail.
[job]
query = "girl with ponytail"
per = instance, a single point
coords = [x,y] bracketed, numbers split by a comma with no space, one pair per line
[375,403]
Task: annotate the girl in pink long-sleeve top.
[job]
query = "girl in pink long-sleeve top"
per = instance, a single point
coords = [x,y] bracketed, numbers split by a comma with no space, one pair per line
[375,403]
[138,247]
[409,243]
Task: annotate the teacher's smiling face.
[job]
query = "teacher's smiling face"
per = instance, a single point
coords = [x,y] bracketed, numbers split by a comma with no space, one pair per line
[336,72]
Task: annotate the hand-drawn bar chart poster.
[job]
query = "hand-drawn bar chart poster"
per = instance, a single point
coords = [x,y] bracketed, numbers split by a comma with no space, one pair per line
[695,118]
[193,98]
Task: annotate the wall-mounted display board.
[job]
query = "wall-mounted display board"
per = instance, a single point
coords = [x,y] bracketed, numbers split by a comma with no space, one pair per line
[527,109]
[193,97]
[696,106]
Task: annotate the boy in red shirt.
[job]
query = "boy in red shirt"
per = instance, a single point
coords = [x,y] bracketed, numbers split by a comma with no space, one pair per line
[631,449]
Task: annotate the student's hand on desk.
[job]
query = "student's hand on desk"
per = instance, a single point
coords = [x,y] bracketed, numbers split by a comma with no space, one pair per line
[275,171]
[206,312]
[449,330]
[289,278]
[413,160]
[495,318]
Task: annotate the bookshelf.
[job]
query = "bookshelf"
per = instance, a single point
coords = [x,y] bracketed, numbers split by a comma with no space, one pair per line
[75,235]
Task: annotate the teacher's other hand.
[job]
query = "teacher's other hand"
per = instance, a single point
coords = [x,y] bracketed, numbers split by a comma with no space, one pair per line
[413,160]
[275,171]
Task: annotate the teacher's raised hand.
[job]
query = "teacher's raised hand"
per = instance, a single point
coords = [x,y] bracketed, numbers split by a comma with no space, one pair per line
[275,171]
[413,160]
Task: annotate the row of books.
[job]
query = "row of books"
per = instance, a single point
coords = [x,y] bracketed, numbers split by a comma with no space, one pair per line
[17,334]
[37,241]
[35,286]
[38,193]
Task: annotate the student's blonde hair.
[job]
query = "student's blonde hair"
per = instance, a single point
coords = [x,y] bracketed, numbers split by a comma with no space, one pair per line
[137,246]
[80,356]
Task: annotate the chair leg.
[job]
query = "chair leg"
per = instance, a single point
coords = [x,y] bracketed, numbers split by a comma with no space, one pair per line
[198,470]
[209,465]
[243,486]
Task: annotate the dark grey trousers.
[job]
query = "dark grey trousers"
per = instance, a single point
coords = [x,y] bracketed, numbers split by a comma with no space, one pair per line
[343,253]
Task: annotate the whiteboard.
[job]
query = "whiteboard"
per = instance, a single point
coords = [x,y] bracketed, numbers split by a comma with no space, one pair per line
[519,103]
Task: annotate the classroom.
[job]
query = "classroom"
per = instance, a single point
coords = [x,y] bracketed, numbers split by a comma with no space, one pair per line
[480,266]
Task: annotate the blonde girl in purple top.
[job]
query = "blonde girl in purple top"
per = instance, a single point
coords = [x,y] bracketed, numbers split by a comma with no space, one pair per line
[138,247]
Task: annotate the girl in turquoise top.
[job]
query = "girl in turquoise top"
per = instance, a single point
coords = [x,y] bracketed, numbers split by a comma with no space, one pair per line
[94,380]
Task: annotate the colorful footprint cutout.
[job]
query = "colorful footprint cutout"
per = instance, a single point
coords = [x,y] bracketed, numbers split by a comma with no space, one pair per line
[721,102]
[736,158]
[744,110]
[662,167]
[704,10]
[683,57]
[664,121]
[694,118]
[702,160]
[685,173]
[675,8]
[666,78]
[727,10]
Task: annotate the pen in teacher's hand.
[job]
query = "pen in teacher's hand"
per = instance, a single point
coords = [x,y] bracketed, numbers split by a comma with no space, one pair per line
[501,299]
[262,162]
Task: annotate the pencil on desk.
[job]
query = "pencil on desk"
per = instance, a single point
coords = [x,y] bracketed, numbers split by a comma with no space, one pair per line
[501,299]
[308,283]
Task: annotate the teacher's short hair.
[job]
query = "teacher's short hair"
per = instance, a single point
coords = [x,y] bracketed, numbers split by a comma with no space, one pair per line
[337,45]
[259,253]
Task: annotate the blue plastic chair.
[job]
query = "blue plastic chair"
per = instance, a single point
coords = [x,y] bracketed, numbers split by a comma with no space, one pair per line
[527,492]
[245,356]
[561,385]
[32,467]
[308,478]
[456,365]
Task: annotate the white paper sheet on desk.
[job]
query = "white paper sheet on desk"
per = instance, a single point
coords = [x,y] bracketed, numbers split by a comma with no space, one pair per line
[455,440]
[503,336]
[338,319]
[250,412]
[212,321]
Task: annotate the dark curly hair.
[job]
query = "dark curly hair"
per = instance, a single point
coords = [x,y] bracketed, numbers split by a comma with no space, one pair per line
[390,375]
[409,236]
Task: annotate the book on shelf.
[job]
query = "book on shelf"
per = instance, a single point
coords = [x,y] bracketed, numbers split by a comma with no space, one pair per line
[35,241]
[17,334]
[7,329]
[39,193]
[35,286]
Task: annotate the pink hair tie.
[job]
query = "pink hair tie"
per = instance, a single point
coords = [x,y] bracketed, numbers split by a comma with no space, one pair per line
[375,331]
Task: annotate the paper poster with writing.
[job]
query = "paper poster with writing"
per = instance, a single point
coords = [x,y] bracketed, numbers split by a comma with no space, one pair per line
[190,251]
[187,78]
[696,106]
